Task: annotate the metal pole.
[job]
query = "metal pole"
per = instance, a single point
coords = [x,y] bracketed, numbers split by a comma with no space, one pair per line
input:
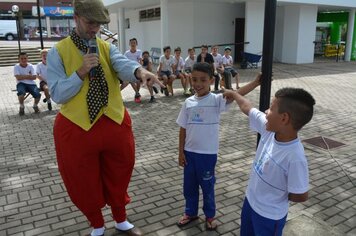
[18,32]
[267,59]
[39,22]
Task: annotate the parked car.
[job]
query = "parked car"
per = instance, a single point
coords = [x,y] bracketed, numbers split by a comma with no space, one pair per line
[8,29]
[44,33]
[109,36]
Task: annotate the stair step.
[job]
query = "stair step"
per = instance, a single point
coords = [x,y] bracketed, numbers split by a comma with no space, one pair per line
[9,55]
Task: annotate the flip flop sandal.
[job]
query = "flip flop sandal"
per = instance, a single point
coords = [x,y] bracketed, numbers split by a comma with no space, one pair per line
[210,224]
[184,220]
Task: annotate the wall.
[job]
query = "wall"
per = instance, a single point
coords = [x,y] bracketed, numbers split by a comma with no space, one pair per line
[199,22]
[214,23]
[181,25]
[254,27]
[147,33]
[192,23]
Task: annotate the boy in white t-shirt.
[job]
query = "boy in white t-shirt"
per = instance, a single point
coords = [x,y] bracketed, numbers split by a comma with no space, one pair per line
[179,70]
[25,75]
[228,63]
[199,121]
[148,65]
[218,65]
[165,70]
[134,54]
[190,60]
[41,71]
[279,172]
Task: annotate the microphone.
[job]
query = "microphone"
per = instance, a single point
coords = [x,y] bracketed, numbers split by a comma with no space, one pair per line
[92,49]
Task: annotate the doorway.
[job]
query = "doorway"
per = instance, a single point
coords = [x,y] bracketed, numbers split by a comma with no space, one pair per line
[239,38]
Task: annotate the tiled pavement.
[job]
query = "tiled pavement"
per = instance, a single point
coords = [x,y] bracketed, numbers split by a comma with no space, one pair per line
[33,200]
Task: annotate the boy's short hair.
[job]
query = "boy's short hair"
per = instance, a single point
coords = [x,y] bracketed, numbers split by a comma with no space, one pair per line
[204,46]
[177,49]
[204,67]
[43,51]
[166,48]
[145,52]
[298,103]
[133,39]
[22,54]
[191,49]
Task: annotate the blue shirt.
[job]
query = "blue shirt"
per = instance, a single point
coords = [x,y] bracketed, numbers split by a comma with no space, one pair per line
[63,88]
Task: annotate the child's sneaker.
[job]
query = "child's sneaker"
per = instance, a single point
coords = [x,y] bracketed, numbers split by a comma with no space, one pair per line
[155,89]
[36,109]
[165,90]
[152,100]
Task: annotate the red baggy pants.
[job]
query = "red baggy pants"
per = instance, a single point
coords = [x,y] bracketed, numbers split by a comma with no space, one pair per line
[96,165]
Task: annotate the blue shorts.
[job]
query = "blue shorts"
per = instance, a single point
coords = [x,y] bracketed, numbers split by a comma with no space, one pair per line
[232,71]
[23,88]
[254,224]
[177,72]
[165,73]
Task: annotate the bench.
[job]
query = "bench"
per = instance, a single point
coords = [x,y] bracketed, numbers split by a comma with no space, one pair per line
[250,60]
[155,55]
[334,50]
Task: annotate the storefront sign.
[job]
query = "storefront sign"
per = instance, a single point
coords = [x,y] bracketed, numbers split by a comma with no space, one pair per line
[58,11]
[53,11]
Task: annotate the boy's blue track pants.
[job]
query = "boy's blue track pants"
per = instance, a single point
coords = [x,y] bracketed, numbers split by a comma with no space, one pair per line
[199,171]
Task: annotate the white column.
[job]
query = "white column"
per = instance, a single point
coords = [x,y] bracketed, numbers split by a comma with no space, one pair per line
[350,33]
[164,24]
[48,24]
[298,34]
[122,40]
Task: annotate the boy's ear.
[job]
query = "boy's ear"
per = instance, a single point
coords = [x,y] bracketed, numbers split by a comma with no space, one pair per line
[286,119]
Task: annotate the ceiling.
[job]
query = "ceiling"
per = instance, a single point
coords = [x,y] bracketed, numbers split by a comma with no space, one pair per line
[134,4]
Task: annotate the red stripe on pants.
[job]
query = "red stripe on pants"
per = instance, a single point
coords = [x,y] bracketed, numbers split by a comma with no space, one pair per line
[96,165]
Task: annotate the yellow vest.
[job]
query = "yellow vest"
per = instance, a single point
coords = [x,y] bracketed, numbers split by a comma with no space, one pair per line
[76,109]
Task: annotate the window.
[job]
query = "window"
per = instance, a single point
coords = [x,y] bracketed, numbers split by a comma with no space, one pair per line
[150,14]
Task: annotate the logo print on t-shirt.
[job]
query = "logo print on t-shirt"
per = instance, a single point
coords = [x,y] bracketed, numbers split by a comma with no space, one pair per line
[197,115]
[261,163]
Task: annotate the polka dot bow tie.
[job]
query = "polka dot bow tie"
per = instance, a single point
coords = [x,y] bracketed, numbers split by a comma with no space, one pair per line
[98,93]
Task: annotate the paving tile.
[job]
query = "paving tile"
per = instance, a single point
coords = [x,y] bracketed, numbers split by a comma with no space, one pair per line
[33,199]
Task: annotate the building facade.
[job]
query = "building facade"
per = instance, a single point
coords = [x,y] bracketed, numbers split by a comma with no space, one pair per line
[191,23]
[56,17]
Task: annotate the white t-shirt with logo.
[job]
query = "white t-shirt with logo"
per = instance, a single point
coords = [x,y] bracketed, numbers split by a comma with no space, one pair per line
[227,61]
[217,60]
[134,56]
[41,69]
[166,63]
[28,70]
[200,117]
[189,62]
[279,168]
[180,64]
